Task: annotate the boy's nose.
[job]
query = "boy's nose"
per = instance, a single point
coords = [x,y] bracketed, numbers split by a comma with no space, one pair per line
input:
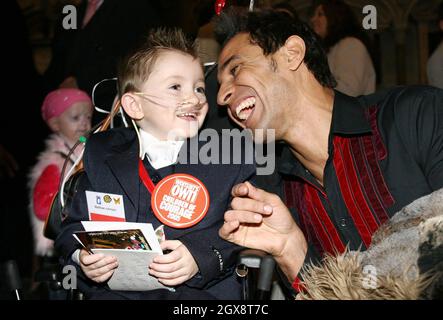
[192,100]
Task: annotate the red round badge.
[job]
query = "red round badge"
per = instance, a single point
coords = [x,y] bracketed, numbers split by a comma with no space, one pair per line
[180,201]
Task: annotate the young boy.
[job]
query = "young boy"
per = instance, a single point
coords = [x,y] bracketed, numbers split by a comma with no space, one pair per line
[162,89]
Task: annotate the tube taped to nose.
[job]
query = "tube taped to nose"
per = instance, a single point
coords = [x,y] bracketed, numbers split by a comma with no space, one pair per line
[166,101]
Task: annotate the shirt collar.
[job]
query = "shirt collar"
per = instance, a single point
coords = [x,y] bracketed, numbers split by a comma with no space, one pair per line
[348,116]
[159,153]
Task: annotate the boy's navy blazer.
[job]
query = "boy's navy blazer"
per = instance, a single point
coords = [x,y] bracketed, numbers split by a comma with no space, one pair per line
[111,166]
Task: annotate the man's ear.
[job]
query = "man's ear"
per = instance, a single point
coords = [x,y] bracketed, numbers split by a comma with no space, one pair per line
[295,51]
[54,124]
[132,106]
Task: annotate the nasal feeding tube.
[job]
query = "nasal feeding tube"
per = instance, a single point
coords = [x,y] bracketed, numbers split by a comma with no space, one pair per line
[185,104]
[167,101]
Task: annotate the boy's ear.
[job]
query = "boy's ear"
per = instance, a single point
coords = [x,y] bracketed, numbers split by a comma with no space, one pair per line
[54,124]
[132,106]
[295,51]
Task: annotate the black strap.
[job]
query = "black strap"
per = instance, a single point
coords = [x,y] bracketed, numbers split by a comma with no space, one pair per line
[64,156]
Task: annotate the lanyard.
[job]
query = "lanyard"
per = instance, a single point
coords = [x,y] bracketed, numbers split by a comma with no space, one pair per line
[144,175]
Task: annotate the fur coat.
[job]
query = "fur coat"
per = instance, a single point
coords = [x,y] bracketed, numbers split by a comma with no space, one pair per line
[404,261]
[52,155]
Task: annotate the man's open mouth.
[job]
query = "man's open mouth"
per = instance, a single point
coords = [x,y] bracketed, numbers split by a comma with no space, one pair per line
[245,109]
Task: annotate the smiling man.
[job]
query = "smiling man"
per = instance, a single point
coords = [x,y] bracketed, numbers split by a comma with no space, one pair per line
[348,163]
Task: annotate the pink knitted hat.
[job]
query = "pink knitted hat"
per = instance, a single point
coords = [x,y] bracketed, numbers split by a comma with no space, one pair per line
[57,101]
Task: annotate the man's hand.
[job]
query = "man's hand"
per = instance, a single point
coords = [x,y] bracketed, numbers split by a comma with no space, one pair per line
[97,267]
[260,220]
[175,267]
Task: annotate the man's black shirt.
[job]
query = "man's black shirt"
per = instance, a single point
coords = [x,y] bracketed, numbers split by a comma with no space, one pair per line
[385,151]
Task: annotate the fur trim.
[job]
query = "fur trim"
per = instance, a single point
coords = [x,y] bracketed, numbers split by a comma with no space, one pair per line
[42,245]
[54,143]
[345,278]
[431,255]
[390,268]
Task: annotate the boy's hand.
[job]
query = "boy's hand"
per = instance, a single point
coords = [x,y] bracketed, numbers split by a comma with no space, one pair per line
[175,267]
[97,267]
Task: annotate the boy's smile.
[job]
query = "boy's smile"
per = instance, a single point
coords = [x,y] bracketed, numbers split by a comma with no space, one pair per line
[175,101]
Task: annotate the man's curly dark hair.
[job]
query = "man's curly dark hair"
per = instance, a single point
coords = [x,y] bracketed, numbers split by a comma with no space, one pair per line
[270,29]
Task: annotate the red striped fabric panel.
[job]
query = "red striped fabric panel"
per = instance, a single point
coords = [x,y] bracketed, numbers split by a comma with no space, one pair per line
[314,219]
[379,153]
[361,155]
[294,192]
[326,242]
[352,192]
[326,226]
[371,114]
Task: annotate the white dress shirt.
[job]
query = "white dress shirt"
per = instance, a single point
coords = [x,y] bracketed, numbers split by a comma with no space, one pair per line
[160,153]
[435,67]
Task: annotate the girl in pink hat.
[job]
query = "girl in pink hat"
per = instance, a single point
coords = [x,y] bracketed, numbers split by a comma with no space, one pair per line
[68,114]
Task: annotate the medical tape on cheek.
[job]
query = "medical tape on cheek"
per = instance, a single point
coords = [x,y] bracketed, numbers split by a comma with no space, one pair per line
[161,101]
[176,102]
[187,106]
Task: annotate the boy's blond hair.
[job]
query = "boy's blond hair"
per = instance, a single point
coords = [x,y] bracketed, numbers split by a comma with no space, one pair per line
[137,67]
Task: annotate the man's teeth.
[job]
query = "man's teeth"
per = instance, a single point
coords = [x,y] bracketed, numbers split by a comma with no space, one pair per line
[248,103]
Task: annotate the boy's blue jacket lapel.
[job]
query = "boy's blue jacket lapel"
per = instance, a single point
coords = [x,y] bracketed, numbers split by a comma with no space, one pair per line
[118,156]
[122,165]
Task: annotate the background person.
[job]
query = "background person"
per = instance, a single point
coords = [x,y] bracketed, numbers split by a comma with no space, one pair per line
[107,30]
[346,46]
[435,62]
[68,114]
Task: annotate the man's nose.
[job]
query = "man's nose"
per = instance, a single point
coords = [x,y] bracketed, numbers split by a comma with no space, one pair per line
[224,94]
